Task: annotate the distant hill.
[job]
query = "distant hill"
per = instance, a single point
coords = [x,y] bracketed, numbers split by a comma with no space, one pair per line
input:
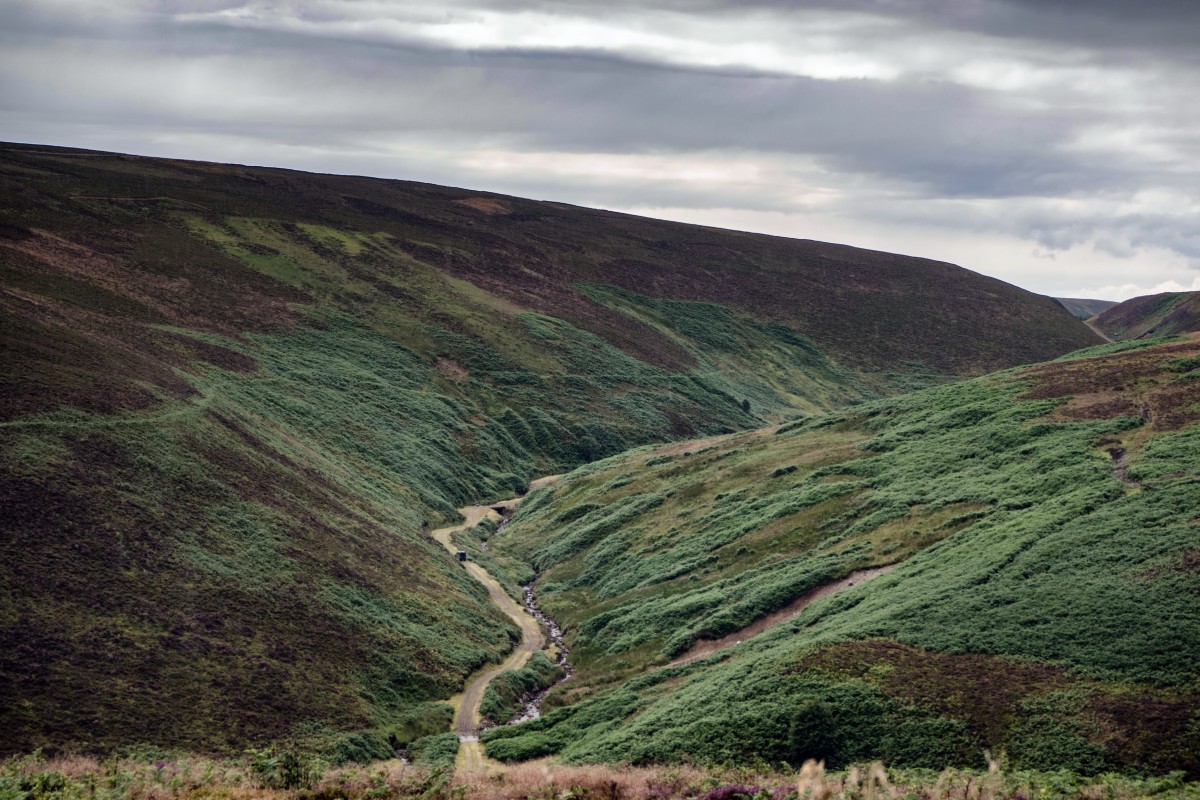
[1151,315]
[1041,526]
[1085,309]
[235,398]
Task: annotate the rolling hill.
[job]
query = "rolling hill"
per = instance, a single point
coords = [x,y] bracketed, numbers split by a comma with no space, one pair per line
[234,400]
[1151,315]
[1018,559]
[1085,309]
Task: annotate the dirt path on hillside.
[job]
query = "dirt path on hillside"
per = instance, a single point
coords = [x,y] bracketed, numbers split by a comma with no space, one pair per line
[471,756]
[695,445]
[1120,467]
[466,721]
[1096,330]
[710,646]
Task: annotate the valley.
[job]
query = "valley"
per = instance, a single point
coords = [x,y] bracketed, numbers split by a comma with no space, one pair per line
[536,628]
[467,712]
[804,501]
[994,499]
[1152,315]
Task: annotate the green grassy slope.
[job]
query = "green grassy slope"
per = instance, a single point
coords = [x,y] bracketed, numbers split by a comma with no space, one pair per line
[216,570]
[231,397]
[1045,602]
[1152,315]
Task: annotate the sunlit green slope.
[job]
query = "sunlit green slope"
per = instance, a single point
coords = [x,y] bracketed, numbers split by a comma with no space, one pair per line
[1045,602]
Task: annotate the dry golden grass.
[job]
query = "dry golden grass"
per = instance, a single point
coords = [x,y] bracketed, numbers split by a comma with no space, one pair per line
[73,777]
[601,781]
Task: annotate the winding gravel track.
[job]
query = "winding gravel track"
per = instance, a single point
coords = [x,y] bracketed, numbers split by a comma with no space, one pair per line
[466,723]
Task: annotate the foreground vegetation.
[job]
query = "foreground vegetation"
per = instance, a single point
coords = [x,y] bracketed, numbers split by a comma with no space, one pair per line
[272,776]
[1044,524]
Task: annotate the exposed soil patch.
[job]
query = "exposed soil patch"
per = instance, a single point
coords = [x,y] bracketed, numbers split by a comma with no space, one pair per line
[1121,466]
[792,609]
[486,205]
[451,369]
[1187,562]
[1098,405]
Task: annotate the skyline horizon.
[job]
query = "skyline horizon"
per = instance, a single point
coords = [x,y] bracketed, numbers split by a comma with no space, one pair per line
[647,213]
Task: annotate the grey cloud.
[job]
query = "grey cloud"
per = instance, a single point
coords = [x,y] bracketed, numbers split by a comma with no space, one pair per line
[950,140]
[353,99]
[1095,23]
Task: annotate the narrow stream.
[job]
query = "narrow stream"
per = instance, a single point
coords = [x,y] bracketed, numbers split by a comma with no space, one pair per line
[531,703]
[503,523]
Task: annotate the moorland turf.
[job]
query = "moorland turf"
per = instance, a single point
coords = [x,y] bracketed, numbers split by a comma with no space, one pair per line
[1151,315]
[233,398]
[1044,523]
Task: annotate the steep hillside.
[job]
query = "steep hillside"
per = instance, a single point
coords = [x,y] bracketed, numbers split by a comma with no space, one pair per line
[1152,315]
[234,399]
[1085,309]
[1044,600]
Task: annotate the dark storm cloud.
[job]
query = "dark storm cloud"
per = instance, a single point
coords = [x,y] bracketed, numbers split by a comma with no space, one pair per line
[1091,23]
[1095,24]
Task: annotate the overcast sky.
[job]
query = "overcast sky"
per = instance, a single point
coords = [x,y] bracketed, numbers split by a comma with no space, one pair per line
[1052,143]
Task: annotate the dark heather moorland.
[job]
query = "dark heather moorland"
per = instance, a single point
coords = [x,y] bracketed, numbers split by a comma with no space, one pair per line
[1152,315]
[236,399]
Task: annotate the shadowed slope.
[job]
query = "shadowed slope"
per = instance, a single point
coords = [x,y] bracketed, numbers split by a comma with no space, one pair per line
[1085,309]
